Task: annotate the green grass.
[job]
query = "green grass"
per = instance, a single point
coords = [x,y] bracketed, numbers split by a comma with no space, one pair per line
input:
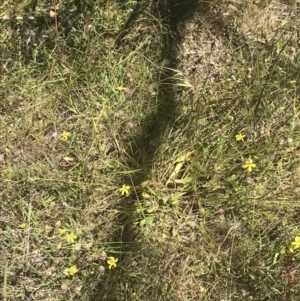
[196,225]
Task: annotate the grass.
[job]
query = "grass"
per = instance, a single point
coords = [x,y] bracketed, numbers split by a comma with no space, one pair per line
[151,95]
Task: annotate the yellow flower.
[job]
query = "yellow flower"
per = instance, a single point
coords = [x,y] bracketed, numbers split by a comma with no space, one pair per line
[121,88]
[296,243]
[249,165]
[240,137]
[65,135]
[71,237]
[124,190]
[112,262]
[71,271]
[61,231]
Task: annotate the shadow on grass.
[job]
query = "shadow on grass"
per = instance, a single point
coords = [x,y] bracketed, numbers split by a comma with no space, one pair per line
[172,14]
[142,148]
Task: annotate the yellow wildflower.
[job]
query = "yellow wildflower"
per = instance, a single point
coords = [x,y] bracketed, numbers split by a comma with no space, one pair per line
[296,243]
[249,165]
[71,271]
[112,262]
[124,190]
[240,137]
[65,135]
[121,88]
[71,237]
